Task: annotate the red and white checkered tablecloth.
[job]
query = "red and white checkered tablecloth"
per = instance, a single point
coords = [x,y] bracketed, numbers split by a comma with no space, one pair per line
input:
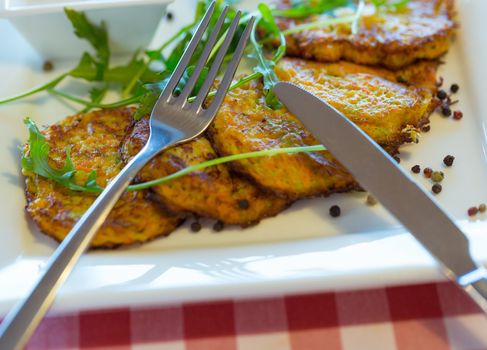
[426,316]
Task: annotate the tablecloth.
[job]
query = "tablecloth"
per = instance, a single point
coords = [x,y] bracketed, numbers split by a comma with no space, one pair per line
[433,316]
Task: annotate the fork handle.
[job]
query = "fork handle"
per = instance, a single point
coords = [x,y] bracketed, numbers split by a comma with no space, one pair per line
[23,319]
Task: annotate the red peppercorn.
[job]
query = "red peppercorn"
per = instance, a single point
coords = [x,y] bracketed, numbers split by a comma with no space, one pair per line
[457,115]
[427,172]
[472,211]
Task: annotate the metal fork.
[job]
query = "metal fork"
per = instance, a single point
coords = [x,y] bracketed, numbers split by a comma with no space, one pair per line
[173,120]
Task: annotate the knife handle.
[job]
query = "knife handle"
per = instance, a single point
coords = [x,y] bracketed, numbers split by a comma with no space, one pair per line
[475,284]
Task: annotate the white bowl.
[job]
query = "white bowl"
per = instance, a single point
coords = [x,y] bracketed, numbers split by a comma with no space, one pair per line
[131,23]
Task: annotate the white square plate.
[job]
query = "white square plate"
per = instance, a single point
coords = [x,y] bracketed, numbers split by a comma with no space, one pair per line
[301,250]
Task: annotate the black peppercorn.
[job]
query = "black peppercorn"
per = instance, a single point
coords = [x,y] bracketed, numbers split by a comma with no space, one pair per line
[445,110]
[169,16]
[243,204]
[448,160]
[335,211]
[218,226]
[454,88]
[426,128]
[401,79]
[195,226]
[441,94]
[416,169]
[436,188]
[397,159]
[47,66]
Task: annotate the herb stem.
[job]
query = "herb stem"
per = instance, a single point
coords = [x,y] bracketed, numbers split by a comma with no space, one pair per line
[142,69]
[222,160]
[358,14]
[242,81]
[121,103]
[126,91]
[219,43]
[176,36]
[43,87]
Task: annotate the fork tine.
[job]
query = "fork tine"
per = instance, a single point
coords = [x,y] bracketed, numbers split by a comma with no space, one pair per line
[231,69]
[215,67]
[204,56]
[183,62]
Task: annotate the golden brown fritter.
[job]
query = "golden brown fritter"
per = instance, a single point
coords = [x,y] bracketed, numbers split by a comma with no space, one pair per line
[212,192]
[392,38]
[381,107]
[94,140]
[370,97]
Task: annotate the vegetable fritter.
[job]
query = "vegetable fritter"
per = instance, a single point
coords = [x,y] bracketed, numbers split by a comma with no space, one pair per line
[390,37]
[212,192]
[382,108]
[94,140]
[371,97]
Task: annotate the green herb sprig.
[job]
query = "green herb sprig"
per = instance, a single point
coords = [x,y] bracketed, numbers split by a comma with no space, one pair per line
[36,160]
[265,66]
[134,80]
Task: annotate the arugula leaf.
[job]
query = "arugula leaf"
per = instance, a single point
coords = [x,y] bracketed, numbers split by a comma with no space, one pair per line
[154,55]
[199,82]
[96,96]
[36,160]
[264,65]
[399,4]
[306,8]
[87,68]
[97,36]
[176,54]
[390,5]
[90,68]
[134,68]
[154,90]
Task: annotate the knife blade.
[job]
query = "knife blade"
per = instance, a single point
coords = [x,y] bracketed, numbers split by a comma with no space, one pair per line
[379,173]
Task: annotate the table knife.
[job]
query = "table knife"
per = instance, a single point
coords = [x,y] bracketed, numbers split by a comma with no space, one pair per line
[394,188]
